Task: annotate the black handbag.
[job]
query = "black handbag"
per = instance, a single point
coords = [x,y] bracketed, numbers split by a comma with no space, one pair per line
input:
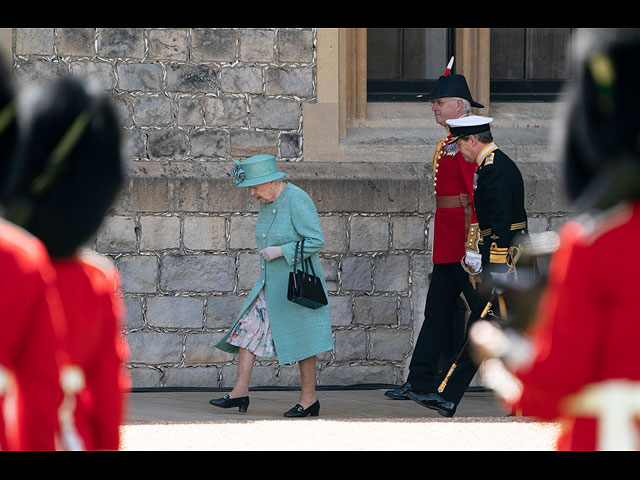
[304,287]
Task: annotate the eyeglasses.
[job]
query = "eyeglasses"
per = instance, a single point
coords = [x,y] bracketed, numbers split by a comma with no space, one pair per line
[439,102]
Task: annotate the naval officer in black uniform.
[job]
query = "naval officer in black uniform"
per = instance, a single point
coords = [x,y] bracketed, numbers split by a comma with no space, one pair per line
[498,194]
[499,204]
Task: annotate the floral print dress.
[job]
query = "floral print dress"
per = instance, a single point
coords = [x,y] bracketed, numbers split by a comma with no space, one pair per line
[253,332]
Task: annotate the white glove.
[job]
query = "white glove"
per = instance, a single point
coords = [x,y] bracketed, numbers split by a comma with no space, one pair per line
[270,253]
[473,260]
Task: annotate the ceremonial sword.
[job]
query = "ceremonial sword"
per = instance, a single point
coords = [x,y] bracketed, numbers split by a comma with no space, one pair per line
[483,315]
[516,252]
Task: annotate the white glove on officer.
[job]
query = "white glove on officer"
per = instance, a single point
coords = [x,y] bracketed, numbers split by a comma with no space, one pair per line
[473,260]
[271,253]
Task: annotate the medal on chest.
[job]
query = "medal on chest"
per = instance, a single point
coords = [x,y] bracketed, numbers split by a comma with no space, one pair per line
[450,149]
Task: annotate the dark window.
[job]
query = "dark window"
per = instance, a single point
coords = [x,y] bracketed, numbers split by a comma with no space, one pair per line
[405,62]
[529,64]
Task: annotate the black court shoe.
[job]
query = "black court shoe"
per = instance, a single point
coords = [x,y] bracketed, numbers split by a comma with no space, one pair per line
[299,411]
[225,402]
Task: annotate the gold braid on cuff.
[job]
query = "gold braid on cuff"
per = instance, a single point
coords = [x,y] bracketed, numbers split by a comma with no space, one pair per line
[498,255]
[473,237]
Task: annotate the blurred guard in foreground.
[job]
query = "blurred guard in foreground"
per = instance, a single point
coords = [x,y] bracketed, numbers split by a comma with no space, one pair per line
[584,366]
[31,321]
[67,173]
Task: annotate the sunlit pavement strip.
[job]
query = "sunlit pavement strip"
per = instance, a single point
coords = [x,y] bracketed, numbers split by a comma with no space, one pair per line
[317,434]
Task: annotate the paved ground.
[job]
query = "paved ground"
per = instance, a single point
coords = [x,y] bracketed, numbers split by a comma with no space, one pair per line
[349,420]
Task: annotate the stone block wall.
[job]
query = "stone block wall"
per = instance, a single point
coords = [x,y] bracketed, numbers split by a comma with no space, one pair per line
[181,235]
[190,94]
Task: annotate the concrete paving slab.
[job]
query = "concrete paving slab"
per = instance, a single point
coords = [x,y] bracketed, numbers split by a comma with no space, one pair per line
[191,407]
[350,420]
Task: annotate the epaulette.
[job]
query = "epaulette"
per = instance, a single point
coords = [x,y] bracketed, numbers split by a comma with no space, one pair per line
[488,160]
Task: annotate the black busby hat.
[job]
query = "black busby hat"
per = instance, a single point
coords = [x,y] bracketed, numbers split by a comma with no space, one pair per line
[67,167]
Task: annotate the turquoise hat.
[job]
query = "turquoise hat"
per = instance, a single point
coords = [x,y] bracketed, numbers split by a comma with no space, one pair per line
[255,170]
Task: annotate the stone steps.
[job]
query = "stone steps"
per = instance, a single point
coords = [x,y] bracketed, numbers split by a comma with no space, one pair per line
[419,115]
[406,132]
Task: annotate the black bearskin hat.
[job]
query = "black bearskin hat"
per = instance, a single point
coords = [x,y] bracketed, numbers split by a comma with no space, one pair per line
[67,166]
[600,146]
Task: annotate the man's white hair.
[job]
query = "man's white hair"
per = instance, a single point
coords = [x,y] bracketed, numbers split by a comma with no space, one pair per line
[467,105]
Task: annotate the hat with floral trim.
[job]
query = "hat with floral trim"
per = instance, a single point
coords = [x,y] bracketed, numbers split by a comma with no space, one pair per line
[255,170]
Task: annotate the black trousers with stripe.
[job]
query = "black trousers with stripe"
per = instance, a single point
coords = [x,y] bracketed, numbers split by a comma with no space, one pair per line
[448,281]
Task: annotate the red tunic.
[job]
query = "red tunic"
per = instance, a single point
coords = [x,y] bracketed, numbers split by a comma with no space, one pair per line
[89,289]
[452,176]
[31,352]
[588,326]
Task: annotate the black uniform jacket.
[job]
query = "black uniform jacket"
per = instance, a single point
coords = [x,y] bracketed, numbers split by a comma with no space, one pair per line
[499,204]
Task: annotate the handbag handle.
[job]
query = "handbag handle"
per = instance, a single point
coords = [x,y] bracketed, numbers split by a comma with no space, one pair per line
[295,257]
[302,261]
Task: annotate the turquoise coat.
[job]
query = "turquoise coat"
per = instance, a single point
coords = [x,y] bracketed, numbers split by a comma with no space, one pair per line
[298,332]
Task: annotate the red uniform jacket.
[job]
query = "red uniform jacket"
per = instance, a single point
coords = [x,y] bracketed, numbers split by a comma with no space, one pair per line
[588,326]
[31,336]
[89,289]
[452,176]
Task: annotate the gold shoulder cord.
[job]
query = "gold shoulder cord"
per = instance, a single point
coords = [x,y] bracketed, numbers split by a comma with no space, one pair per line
[437,155]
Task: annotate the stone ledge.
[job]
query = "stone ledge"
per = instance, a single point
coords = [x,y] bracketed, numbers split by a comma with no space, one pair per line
[156,187]
[420,115]
[411,145]
[407,132]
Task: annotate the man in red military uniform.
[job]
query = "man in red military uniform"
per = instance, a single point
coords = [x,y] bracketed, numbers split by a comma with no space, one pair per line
[455,215]
[68,171]
[575,343]
[31,322]
[90,283]
[584,366]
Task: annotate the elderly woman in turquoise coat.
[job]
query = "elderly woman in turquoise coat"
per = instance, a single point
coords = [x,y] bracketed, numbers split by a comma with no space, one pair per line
[269,325]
